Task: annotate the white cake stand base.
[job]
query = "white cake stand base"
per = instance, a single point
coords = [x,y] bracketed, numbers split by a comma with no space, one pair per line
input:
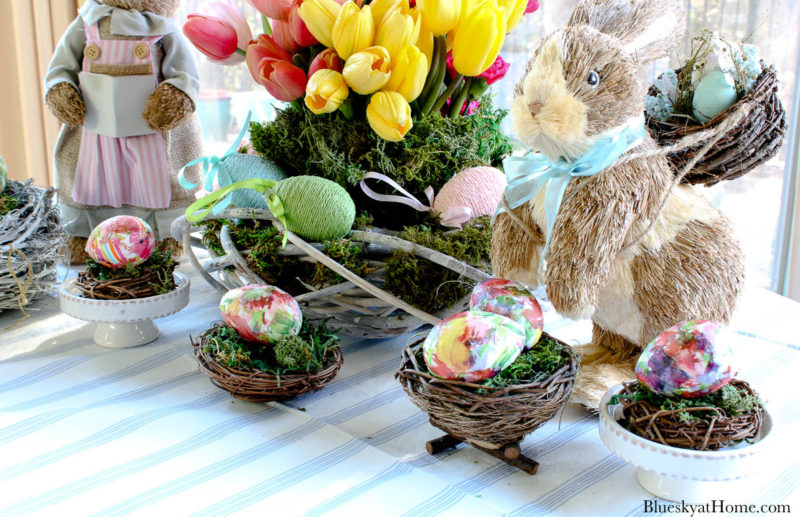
[124,323]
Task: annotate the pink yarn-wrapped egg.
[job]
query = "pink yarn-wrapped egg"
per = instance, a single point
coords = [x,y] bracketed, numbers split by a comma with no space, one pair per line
[469,194]
[120,241]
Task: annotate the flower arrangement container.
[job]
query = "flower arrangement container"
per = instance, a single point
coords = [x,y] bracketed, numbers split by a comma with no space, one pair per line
[32,243]
[495,422]
[746,146]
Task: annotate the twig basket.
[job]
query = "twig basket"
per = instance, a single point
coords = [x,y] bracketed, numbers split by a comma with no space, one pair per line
[258,386]
[504,416]
[358,306]
[32,243]
[742,148]
[709,433]
[143,286]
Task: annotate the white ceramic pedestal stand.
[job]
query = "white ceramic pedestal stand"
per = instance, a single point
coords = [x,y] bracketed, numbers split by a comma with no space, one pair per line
[695,477]
[124,323]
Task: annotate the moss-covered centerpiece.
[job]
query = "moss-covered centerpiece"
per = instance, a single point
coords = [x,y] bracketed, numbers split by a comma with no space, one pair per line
[490,376]
[125,262]
[265,351]
[380,106]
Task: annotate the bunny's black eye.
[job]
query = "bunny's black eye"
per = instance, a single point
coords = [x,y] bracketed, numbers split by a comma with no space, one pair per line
[593,79]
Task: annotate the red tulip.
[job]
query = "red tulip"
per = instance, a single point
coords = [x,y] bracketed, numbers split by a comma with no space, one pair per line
[271,67]
[532,6]
[300,32]
[214,37]
[328,59]
[282,34]
[494,73]
[275,9]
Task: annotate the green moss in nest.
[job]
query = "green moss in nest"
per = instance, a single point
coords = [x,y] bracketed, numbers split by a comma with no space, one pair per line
[310,351]
[342,150]
[733,401]
[7,204]
[431,287]
[346,253]
[160,264]
[537,364]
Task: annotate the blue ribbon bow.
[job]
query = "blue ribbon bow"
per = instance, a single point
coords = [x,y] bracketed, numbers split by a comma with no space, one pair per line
[214,167]
[527,175]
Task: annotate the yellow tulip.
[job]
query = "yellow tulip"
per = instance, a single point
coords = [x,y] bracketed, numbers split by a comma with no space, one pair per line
[319,16]
[514,11]
[397,30]
[353,30]
[380,7]
[409,71]
[389,115]
[440,16]
[478,40]
[325,91]
[367,71]
[425,44]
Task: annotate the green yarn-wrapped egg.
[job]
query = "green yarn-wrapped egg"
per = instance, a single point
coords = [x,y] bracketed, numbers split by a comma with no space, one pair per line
[3,174]
[316,208]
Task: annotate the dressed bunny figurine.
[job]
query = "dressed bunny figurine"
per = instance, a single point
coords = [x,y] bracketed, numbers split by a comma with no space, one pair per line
[124,84]
[611,239]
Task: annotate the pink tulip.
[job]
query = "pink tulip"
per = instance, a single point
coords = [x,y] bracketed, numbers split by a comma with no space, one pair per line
[328,59]
[275,9]
[271,67]
[227,11]
[282,34]
[212,36]
[300,32]
[532,6]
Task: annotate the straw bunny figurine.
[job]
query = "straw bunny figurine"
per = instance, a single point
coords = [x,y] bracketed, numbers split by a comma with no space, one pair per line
[124,84]
[621,244]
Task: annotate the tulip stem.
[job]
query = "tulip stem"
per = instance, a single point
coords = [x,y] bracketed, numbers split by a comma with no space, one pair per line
[448,92]
[241,52]
[265,25]
[455,107]
[298,105]
[432,73]
[439,63]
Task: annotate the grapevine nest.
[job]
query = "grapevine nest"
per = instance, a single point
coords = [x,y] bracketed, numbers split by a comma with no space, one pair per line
[358,304]
[488,417]
[32,243]
[702,428]
[744,147]
[260,386]
[151,278]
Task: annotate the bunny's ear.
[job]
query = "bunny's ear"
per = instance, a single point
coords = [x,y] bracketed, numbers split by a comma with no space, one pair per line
[648,29]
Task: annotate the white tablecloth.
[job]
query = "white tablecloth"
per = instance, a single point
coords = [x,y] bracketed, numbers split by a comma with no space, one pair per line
[90,431]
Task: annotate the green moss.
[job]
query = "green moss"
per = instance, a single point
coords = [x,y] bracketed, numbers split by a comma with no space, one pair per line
[310,351]
[346,253]
[7,204]
[434,150]
[733,401]
[431,287]
[160,262]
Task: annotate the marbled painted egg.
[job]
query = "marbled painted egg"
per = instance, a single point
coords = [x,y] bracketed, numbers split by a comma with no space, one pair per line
[120,241]
[715,93]
[472,346]
[469,194]
[511,300]
[261,313]
[686,361]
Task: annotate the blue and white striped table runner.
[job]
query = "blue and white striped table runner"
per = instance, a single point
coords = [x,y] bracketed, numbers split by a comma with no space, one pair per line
[90,431]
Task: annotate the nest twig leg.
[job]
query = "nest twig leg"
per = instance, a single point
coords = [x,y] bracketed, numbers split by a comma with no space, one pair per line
[509,453]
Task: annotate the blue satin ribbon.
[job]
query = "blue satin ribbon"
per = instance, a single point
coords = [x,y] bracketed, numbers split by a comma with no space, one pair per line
[214,167]
[529,174]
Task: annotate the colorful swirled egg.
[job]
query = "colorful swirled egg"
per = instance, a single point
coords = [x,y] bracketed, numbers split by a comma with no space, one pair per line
[261,313]
[512,300]
[120,241]
[688,360]
[471,193]
[472,346]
